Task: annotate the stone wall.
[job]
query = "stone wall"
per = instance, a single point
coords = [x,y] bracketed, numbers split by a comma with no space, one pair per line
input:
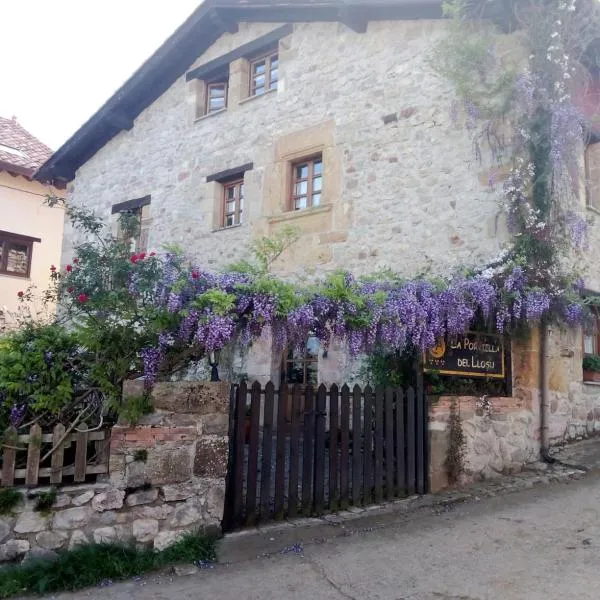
[404,191]
[166,477]
[497,443]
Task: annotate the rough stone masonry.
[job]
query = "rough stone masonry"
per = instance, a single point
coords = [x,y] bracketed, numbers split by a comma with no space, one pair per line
[166,477]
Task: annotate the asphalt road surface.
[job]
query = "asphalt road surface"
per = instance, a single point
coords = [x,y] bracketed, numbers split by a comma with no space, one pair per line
[542,543]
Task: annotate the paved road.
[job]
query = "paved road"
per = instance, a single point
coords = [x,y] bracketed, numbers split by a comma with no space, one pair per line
[538,544]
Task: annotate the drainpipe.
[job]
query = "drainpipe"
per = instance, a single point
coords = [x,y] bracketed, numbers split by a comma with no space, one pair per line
[545,455]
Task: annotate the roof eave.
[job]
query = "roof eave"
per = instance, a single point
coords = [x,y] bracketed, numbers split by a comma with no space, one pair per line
[207,23]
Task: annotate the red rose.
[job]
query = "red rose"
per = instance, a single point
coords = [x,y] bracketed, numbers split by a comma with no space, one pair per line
[69,268]
[82,298]
[53,268]
[195,274]
[142,256]
[70,290]
[75,260]
[134,258]
[20,294]
[152,253]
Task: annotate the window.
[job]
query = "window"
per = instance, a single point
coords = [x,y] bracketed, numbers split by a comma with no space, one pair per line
[216,97]
[592,175]
[15,254]
[139,210]
[307,183]
[301,366]
[233,203]
[591,336]
[264,74]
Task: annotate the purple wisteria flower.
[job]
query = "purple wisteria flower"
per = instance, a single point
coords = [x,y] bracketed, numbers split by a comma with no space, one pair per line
[17,414]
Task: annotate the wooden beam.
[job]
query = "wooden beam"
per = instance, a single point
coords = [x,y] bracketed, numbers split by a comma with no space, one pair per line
[354,18]
[230,174]
[119,119]
[131,204]
[222,22]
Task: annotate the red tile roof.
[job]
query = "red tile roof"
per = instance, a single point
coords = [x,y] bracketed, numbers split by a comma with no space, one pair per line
[28,152]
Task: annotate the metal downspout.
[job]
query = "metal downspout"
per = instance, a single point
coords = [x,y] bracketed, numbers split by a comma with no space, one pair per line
[544,454]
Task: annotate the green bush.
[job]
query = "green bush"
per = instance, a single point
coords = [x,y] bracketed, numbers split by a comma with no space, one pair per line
[40,369]
[89,565]
[592,363]
[45,500]
[9,498]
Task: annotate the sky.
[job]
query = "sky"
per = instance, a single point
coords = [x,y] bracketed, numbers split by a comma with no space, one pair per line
[62,59]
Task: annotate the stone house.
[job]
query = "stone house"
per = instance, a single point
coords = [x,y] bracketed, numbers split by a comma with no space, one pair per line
[327,116]
[30,233]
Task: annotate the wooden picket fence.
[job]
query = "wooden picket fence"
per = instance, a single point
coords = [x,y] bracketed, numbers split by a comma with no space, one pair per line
[39,458]
[304,451]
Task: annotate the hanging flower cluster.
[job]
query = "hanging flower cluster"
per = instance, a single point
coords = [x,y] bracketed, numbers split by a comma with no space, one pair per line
[209,310]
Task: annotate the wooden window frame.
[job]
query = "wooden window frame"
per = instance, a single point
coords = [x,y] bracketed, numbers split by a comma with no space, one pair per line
[592,190]
[238,213]
[306,360]
[310,191]
[596,313]
[6,239]
[139,244]
[268,60]
[209,86]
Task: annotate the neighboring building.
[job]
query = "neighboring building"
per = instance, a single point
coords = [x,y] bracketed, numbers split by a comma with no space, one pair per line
[30,233]
[327,116]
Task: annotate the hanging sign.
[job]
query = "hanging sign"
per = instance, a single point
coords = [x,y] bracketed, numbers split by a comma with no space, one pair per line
[470,355]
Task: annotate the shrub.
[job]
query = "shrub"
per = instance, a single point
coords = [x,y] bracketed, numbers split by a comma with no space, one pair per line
[9,498]
[41,370]
[592,363]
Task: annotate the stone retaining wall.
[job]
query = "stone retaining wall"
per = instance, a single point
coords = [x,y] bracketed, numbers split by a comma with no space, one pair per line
[501,442]
[166,477]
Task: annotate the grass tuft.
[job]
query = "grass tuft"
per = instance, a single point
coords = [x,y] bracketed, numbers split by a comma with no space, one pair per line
[45,501]
[91,564]
[9,499]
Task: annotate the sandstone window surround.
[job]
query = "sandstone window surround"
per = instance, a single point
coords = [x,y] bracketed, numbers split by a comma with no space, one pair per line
[249,71]
[15,254]
[592,176]
[228,191]
[140,208]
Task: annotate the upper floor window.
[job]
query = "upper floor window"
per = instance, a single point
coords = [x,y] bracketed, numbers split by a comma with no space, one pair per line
[592,175]
[307,183]
[216,97]
[264,74]
[15,254]
[233,203]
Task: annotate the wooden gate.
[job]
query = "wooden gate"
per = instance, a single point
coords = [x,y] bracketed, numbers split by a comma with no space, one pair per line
[336,448]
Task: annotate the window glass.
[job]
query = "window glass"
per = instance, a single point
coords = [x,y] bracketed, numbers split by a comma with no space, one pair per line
[264,75]
[18,258]
[234,203]
[302,366]
[307,183]
[15,254]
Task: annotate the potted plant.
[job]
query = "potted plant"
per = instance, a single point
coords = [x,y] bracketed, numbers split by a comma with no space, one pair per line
[591,368]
